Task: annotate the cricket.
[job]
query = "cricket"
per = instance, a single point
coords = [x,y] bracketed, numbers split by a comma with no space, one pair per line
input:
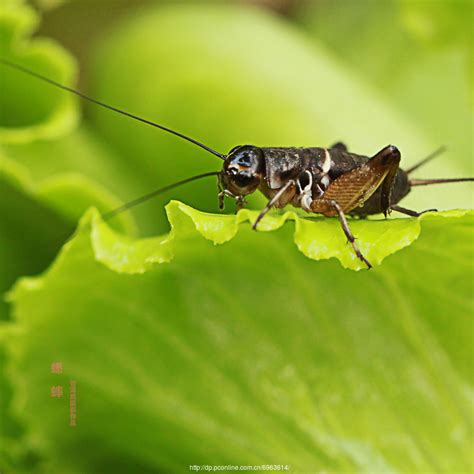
[329,181]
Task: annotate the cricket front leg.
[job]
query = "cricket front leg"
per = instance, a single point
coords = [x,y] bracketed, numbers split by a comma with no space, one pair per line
[241,203]
[272,202]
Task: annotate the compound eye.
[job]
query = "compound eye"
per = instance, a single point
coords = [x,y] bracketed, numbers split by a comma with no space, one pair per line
[242,180]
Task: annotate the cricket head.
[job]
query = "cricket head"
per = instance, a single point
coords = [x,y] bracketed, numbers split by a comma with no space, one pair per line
[242,171]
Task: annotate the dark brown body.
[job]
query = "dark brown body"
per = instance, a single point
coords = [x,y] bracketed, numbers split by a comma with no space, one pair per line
[283,164]
[328,181]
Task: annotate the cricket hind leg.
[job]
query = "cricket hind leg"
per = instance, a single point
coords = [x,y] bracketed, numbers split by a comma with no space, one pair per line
[409,212]
[348,232]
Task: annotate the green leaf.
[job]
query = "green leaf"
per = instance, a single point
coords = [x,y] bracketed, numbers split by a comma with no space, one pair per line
[412,76]
[248,352]
[318,238]
[50,208]
[31,110]
[439,22]
[35,220]
[22,253]
[447,26]
[214,344]
[82,153]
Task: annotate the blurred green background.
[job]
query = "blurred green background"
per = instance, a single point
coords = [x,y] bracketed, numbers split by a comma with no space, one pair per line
[345,372]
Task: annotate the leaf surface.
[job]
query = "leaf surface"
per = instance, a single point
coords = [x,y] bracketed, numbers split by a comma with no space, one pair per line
[262,354]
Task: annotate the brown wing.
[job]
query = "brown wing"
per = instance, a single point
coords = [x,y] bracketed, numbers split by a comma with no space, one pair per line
[353,188]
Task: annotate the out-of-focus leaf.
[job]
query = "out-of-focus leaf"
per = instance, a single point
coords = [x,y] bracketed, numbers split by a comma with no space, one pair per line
[49,147]
[35,216]
[31,232]
[441,23]
[30,109]
[427,84]
[445,25]
[36,219]
[79,152]
[247,352]
[50,4]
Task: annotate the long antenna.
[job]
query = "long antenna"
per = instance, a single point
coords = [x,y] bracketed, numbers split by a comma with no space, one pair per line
[426,182]
[135,202]
[106,106]
[434,154]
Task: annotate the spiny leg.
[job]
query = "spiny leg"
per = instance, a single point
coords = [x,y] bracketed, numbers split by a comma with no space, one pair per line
[411,213]
[272,202]
[349,235]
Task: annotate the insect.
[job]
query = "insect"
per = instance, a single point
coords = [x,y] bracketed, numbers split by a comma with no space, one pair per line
[329,181]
